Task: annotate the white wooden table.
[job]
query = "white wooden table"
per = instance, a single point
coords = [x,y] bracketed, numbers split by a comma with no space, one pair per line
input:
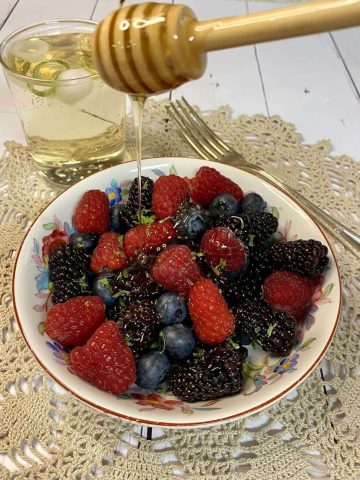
[313,82]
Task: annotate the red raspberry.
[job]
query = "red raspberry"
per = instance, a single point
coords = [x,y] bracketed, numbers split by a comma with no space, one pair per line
[108,253]
[288,292]
[71,323]
[223,250]
[92,213]
[55,240]
[105,360]
[169,193]
[176,269]
[208,183]
[213,322]
[147,238]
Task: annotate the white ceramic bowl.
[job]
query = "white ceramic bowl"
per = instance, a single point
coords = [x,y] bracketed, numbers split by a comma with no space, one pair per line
[270,378]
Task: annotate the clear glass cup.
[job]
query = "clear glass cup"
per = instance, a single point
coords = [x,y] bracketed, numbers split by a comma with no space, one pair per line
[74,123]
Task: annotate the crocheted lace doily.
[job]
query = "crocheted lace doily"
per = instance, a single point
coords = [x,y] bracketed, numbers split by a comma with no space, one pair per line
[314,433]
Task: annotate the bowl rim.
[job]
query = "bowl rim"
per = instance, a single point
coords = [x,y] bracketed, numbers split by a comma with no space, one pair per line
[206,423]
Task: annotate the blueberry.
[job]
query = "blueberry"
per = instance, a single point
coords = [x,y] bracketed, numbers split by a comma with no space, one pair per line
[171,307]
[86,240]
[177,341]
[152,369]
[253,202]
[103,287]
[116,223]
[223,205]
[190,222]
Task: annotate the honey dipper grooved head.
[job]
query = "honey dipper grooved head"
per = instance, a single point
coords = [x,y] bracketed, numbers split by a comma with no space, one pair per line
[147,48]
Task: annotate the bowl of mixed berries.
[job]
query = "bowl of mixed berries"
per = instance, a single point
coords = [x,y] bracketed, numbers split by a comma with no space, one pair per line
[205,297]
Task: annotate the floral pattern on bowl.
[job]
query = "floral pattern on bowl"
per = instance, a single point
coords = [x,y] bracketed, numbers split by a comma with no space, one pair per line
[266,378]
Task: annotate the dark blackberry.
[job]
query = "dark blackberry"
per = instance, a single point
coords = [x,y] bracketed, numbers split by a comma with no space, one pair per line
[137,285]
[68,273]
[251,227]
[140,325]
[147,186]
[260,264]
[236,224]
[239,291]
[216,374]
[304,257]
[274,331]
[116,311]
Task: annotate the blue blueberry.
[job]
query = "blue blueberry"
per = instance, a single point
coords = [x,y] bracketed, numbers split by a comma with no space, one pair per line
[190,222]
[177,341]
[223,205]
[103,287]
[152,369]
[86,240]
[253,202]
[172,308]
[116,212]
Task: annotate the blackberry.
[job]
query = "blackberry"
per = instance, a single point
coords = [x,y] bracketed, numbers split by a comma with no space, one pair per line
[274,331]
[136,285]
[260,264]
[236,224]
[239,291]
[128,215]
[304,257]
[216,374]
[252,227]
[147,186]
[68,272]
[115,312]
[140,325]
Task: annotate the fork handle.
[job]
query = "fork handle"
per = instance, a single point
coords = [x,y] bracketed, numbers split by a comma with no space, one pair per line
[343,234]
[303,19]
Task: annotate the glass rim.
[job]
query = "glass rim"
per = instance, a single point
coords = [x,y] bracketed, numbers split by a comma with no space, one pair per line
[40,81]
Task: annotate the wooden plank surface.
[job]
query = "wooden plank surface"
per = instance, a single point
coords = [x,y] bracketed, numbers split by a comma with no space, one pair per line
[232,76]
[305,82]
[6,7]
[348,47]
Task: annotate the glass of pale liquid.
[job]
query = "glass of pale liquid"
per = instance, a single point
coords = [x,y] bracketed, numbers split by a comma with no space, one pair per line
[74,123]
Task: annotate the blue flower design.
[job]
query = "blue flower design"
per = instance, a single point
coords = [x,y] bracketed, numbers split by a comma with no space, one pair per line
[42,280]
[113,192]
[60,353]
[287,364]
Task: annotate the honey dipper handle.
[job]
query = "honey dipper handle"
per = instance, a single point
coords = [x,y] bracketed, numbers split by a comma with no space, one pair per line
[304,19]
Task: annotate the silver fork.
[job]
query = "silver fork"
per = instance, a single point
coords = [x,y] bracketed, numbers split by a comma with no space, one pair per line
[210,147]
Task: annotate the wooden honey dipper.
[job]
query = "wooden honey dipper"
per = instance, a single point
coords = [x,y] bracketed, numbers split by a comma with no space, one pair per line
[153,47]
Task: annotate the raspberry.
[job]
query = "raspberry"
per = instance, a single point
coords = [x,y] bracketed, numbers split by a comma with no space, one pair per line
[213,322]
[169,193]
[176,269]
[223,250]
[68,268]
[275,331]
[105,360]
[108,253]
[92,213]
[147,238]
[71,323]
[208,183]
[216,374]
[288,292]
[52,242]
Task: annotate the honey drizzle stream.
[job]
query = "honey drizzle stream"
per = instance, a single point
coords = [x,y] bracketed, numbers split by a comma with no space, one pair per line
[137,104]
